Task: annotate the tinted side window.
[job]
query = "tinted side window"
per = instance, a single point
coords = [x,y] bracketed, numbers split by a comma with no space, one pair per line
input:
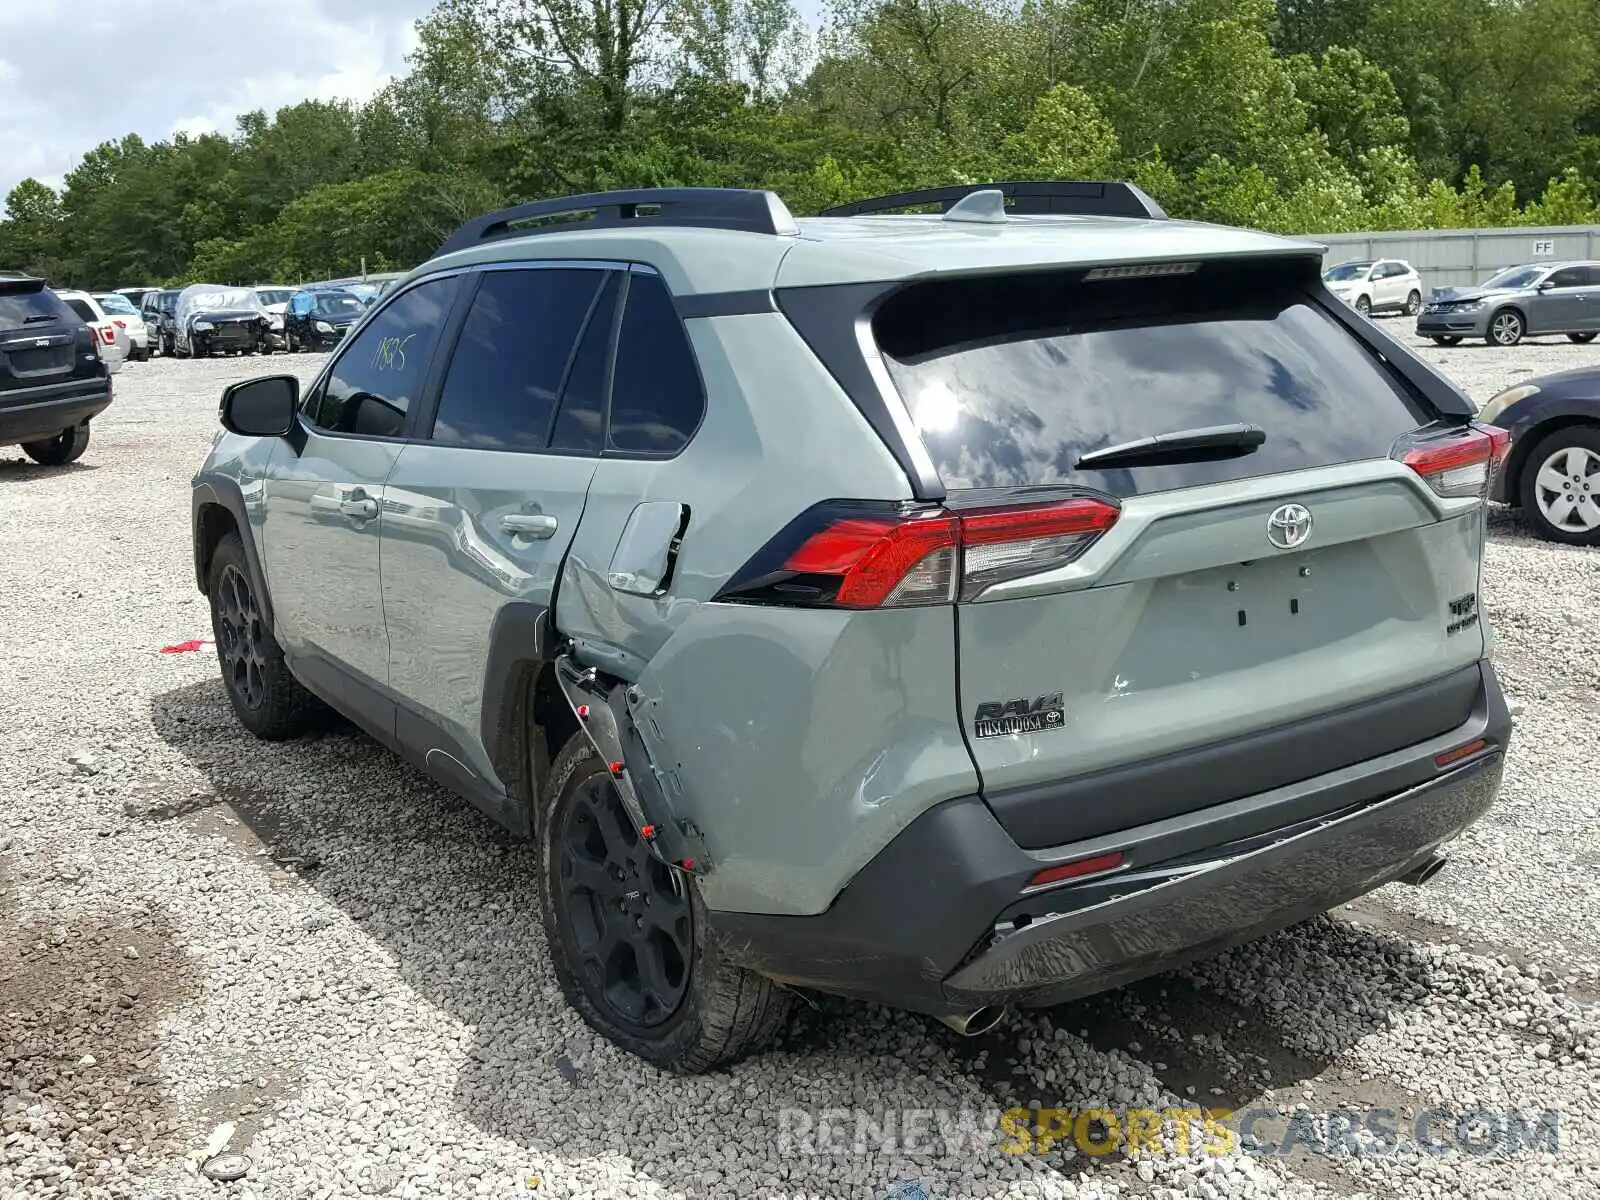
[581,423]
[656,396]
[1570,277]
[378,376]
[83,310]
[504,380]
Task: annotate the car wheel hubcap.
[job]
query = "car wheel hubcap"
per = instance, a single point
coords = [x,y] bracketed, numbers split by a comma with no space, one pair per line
[1506,328]
[628,913]
[1567,487]
[239,638]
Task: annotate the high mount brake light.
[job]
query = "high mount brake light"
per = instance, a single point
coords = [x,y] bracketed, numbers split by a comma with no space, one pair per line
[1460,466]
[843,556]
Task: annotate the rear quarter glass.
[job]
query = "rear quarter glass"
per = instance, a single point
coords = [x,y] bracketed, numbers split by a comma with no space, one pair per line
[1011,380]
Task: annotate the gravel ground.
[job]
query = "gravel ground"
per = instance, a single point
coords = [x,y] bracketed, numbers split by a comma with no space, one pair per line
[310,955]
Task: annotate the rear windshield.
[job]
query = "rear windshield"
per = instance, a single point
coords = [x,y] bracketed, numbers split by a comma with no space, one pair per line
[1012,379]
[26,307]
[117,304]
[340,306]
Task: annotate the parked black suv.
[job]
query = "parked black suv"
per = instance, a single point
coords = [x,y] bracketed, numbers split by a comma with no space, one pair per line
[318,318]
[158,310]
[52,379]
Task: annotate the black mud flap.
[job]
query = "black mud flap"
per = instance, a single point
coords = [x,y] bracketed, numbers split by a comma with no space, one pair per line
[602,707]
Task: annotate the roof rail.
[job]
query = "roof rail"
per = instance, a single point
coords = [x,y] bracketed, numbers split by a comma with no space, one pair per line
[745,209]
[1080,196]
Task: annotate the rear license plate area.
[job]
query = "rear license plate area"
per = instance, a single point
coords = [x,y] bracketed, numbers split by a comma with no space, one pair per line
[1229,619]
[40,361]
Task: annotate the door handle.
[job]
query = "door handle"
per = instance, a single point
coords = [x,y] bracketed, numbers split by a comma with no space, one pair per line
[359,505]
[529,525]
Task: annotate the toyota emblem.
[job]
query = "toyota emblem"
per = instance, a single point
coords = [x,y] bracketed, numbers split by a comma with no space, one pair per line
[1289,526]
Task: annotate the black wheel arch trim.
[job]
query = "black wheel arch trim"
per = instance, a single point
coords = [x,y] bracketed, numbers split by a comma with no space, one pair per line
[224,493]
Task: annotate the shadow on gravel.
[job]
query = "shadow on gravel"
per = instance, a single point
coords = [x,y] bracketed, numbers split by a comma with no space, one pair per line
[453,900]
[25,470]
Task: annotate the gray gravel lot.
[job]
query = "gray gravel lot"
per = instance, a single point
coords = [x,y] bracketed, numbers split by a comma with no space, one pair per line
[311,955]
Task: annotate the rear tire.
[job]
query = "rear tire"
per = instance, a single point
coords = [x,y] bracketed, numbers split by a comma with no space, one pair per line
[1505,328]
[1413,304]
[266,697]
[1582,339]
[1364,306]
[67,446]
[595,873]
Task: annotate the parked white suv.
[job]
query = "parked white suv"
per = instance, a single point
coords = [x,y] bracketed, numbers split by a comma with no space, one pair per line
[1387,285]
[115,344]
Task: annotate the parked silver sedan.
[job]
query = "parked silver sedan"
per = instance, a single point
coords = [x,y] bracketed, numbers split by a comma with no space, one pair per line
[1525,301]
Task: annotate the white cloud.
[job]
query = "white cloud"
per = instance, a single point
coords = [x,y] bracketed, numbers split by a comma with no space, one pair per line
[73,75]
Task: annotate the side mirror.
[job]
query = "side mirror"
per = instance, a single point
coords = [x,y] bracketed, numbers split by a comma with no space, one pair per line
[1546,285]
[261,407]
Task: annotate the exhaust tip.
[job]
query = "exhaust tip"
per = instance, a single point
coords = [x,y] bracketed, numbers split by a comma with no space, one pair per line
[979,1020]
[1424,871]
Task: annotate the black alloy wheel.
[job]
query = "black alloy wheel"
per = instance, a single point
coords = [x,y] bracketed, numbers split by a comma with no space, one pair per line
[630,919]
[239,639]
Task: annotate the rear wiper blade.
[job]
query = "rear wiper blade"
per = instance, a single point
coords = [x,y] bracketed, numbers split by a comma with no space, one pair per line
[1183,445]
[34,318]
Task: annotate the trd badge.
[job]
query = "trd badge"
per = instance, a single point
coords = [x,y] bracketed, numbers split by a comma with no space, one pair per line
[996,718]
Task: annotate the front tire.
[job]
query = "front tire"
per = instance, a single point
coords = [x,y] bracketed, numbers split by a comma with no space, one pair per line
[266,697]
[1582,339]
[1364,306]
[627,934]
[1560,486]
[67,446]
[1505,328]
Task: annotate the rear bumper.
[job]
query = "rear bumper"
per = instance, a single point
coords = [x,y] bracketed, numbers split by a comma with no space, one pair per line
[941,921]
[37,413]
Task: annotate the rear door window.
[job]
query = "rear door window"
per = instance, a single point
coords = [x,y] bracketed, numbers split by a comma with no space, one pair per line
[28,307]
[81,307]
[1569,277]
[1011,380]
[515,351]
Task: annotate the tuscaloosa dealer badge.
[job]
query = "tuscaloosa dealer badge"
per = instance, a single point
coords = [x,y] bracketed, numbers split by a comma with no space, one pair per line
[996,718]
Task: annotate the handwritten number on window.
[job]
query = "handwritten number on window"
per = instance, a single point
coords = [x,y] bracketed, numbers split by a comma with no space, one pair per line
[391,353]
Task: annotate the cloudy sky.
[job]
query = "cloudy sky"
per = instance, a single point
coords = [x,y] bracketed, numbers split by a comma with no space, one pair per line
[75,73]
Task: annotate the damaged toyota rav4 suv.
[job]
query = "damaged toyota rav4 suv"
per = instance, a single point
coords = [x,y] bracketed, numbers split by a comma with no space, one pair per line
[966,609]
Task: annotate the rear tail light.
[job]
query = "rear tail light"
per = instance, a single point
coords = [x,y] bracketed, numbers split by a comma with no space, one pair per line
[857,555]
[108,335]
[1459,464]
[120,324]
